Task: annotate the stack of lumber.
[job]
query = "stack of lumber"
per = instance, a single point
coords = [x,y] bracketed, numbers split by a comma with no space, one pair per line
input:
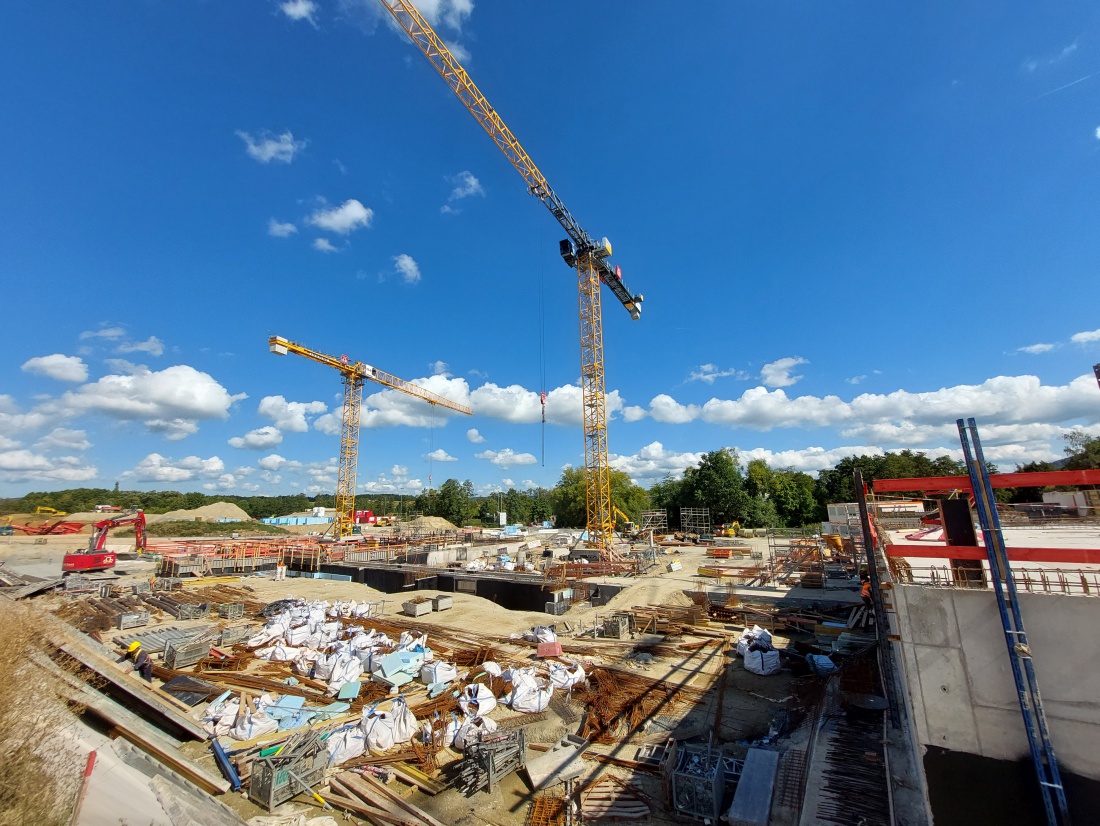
[613,799]
[362,795]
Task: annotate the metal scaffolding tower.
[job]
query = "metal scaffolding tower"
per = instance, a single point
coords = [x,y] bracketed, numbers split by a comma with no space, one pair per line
[696,521]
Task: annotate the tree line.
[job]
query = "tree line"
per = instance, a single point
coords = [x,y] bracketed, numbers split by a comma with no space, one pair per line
[753,493]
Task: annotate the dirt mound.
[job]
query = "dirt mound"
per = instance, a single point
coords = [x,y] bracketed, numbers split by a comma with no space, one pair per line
[431,523]
[216,512]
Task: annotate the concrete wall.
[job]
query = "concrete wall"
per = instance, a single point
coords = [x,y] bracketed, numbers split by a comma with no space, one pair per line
[960,680]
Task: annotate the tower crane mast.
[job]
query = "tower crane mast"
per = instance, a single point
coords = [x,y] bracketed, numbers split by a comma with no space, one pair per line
[579,250]
[354,374]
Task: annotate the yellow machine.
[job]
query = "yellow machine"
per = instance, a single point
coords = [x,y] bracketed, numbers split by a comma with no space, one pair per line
[355,373]
[628,524]
[50,511]
[732,529]
[580,250]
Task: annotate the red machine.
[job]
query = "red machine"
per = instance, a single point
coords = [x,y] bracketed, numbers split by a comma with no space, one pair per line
[95,558]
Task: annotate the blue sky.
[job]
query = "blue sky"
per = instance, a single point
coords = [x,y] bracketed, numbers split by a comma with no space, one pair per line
[852,224]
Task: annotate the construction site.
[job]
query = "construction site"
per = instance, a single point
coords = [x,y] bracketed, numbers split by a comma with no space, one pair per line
[881,669]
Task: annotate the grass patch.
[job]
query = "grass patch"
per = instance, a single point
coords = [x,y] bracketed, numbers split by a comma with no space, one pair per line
[189,527]
[41,767]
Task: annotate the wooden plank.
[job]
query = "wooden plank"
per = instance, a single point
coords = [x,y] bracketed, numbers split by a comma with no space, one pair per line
[381,791]
[106,668]
[152,741]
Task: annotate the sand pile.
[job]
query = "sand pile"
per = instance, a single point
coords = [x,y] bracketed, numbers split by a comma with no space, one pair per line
[431,523]
[216,512]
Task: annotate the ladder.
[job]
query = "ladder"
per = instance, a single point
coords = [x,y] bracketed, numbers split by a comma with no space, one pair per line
[1019,653]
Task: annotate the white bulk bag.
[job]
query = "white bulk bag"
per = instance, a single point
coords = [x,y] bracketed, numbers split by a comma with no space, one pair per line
[345,744]
[477,700]
[472,730]
[762,662]
[438,672]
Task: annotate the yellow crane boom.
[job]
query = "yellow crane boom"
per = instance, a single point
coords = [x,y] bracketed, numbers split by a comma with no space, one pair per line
[579,250]
[354,373]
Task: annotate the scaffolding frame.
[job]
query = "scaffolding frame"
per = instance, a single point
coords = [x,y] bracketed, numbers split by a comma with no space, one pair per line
[696,521]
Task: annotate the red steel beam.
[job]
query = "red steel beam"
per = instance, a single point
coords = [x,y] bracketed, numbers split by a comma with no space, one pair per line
[1041,479]
[1075,556]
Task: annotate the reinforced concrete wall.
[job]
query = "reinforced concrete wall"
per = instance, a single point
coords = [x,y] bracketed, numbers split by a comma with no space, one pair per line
[960,682]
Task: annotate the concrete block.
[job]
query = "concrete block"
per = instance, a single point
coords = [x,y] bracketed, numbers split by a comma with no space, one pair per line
[442,602]
[415,608]
[752,802]
[563,762]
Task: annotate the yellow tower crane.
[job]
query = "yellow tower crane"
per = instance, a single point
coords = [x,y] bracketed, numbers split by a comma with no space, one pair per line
[579,250]
[354,373]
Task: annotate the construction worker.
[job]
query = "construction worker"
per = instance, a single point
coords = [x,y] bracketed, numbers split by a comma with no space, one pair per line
[143,663]
[865,589]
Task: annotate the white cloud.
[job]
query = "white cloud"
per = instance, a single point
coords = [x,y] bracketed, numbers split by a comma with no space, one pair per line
[261,438]
[107,332]
[57,366]
[1098,133]
[275,462]
[290,415]
[267,148]
[710,372]
[390,408]
[440,455]
[407,268]
[323,245]
[515,403]
[61,438]
[1035,349]
[400,471]
[158,468]
[172,429]
[300,10]
[280,230]
[25,466]
[152,345]
[1086,337]
[168,400]
[473,436]
[440,368]
[807,460]
[1033,63]
[344,219]
[856,379]
[778,373]
[506,458]
[465,185]
[652,463]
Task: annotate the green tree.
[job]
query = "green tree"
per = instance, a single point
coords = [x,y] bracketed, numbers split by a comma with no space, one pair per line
[1082,450]
[717,484]
[569,497]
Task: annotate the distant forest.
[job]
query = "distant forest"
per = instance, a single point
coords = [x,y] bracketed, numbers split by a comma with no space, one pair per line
[753,494]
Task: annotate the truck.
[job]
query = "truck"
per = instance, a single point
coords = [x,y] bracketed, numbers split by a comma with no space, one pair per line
[94,557]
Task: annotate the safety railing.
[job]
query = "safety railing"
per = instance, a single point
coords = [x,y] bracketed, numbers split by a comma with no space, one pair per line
[1075,581]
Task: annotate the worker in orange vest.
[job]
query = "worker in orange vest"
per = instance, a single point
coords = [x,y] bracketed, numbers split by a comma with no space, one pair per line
[865,589]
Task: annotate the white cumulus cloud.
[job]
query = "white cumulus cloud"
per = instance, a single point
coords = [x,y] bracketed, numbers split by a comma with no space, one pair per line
[21,466]
[473,436]
[268,147]
[152,345]
[506,458]
[778,373]
[344,219]
[324,245]
[1086,337]
[158,468]
[167,400]
[261,438]
[300,10]
[58,366]
[290,415]
[61,438]
[709,372]
[278,229]
[407,268]
[440,455]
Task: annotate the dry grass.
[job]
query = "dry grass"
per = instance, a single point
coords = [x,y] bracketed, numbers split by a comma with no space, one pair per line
[41,768]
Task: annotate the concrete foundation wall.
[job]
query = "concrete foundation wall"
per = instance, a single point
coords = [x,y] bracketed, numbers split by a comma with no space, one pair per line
[960,680]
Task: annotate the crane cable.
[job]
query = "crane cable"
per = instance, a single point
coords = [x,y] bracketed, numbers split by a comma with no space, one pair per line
[542,349]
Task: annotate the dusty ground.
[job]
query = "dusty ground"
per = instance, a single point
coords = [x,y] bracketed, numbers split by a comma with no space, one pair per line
[749,703]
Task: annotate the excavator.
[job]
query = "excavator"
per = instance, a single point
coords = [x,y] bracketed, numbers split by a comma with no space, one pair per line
[94,557]
[49,511]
